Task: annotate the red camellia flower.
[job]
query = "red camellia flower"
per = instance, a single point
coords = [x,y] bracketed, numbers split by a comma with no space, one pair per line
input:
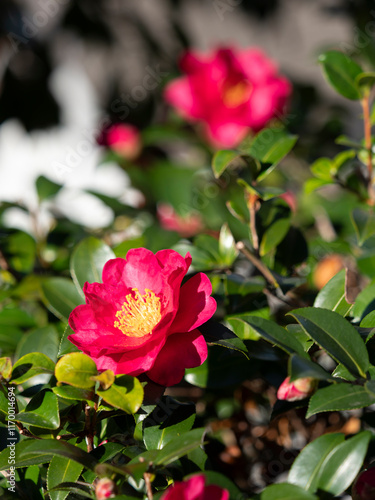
[230,91]
[194,489]
[141,320]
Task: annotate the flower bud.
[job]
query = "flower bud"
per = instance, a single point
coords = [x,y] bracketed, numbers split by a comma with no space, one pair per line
[364,486]
[105,488]
[124,140]
[296,390]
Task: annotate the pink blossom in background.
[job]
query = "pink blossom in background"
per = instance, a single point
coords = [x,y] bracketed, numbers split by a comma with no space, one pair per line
[296,390]
[124,139]
[141,320]
[230,92]
[194,489]
[186,226]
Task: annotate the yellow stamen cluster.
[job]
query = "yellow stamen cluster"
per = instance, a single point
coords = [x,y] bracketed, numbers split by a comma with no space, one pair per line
[237,94]
[139,314]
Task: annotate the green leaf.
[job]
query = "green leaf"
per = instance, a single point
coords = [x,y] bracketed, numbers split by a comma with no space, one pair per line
[314,184]
[302,367]
[332,295]
[339,397]
[166,422]
[66,347]
[87,261]
[125,393]
[62,470]
[286,491]
[368,321]
[364,224]
[323,169]
[41,411]
[53,447]
[341,72]
[30,365]
[5,368]
[366,81]
[274,235]
[343,464]
[336,335]
[307,466]
[227,246]
[76,369]
[22,457]
[221,161]
[75,488]
[22,249]
[46,188]
[341,372]
[222,368]
[44,340]
[180,446]
[275,334]
[60,296]
[270,145]
[364,303]
[75,393]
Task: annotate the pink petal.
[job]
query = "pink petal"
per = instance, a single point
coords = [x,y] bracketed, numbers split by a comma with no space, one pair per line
[213,492]
[179,93]
[181,350]
[196,305]
[226,134]
[113,271]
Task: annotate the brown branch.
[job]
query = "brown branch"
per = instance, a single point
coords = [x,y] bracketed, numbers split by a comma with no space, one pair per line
[146,477]
[368,142]
[258,264]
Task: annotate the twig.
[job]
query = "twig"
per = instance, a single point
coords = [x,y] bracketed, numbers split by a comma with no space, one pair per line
[368,142]
[258,264]
[146,477]
[253,229]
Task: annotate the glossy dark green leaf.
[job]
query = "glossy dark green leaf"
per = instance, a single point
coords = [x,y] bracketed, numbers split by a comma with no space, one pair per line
[336,335]
[364,303]
[167,421]
[286,491]
[60,296]
[307,466]
[341,72]
[54,447]
[22,457]
[217,334]
[339,397]
[180,446]
[76,369]
[302,367]
[366,81]
[41,411]
[30,365]
[60,470]
[87,261]
[75,393]
[46,188]
[222,368]
[343,464]
[45,340]
[341,372]
[332,295]
[275,334]
[221,161]
[274,235]
[368,321]
[15,316]
[63,490]
[364,224]
[270,145]
[125,393]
